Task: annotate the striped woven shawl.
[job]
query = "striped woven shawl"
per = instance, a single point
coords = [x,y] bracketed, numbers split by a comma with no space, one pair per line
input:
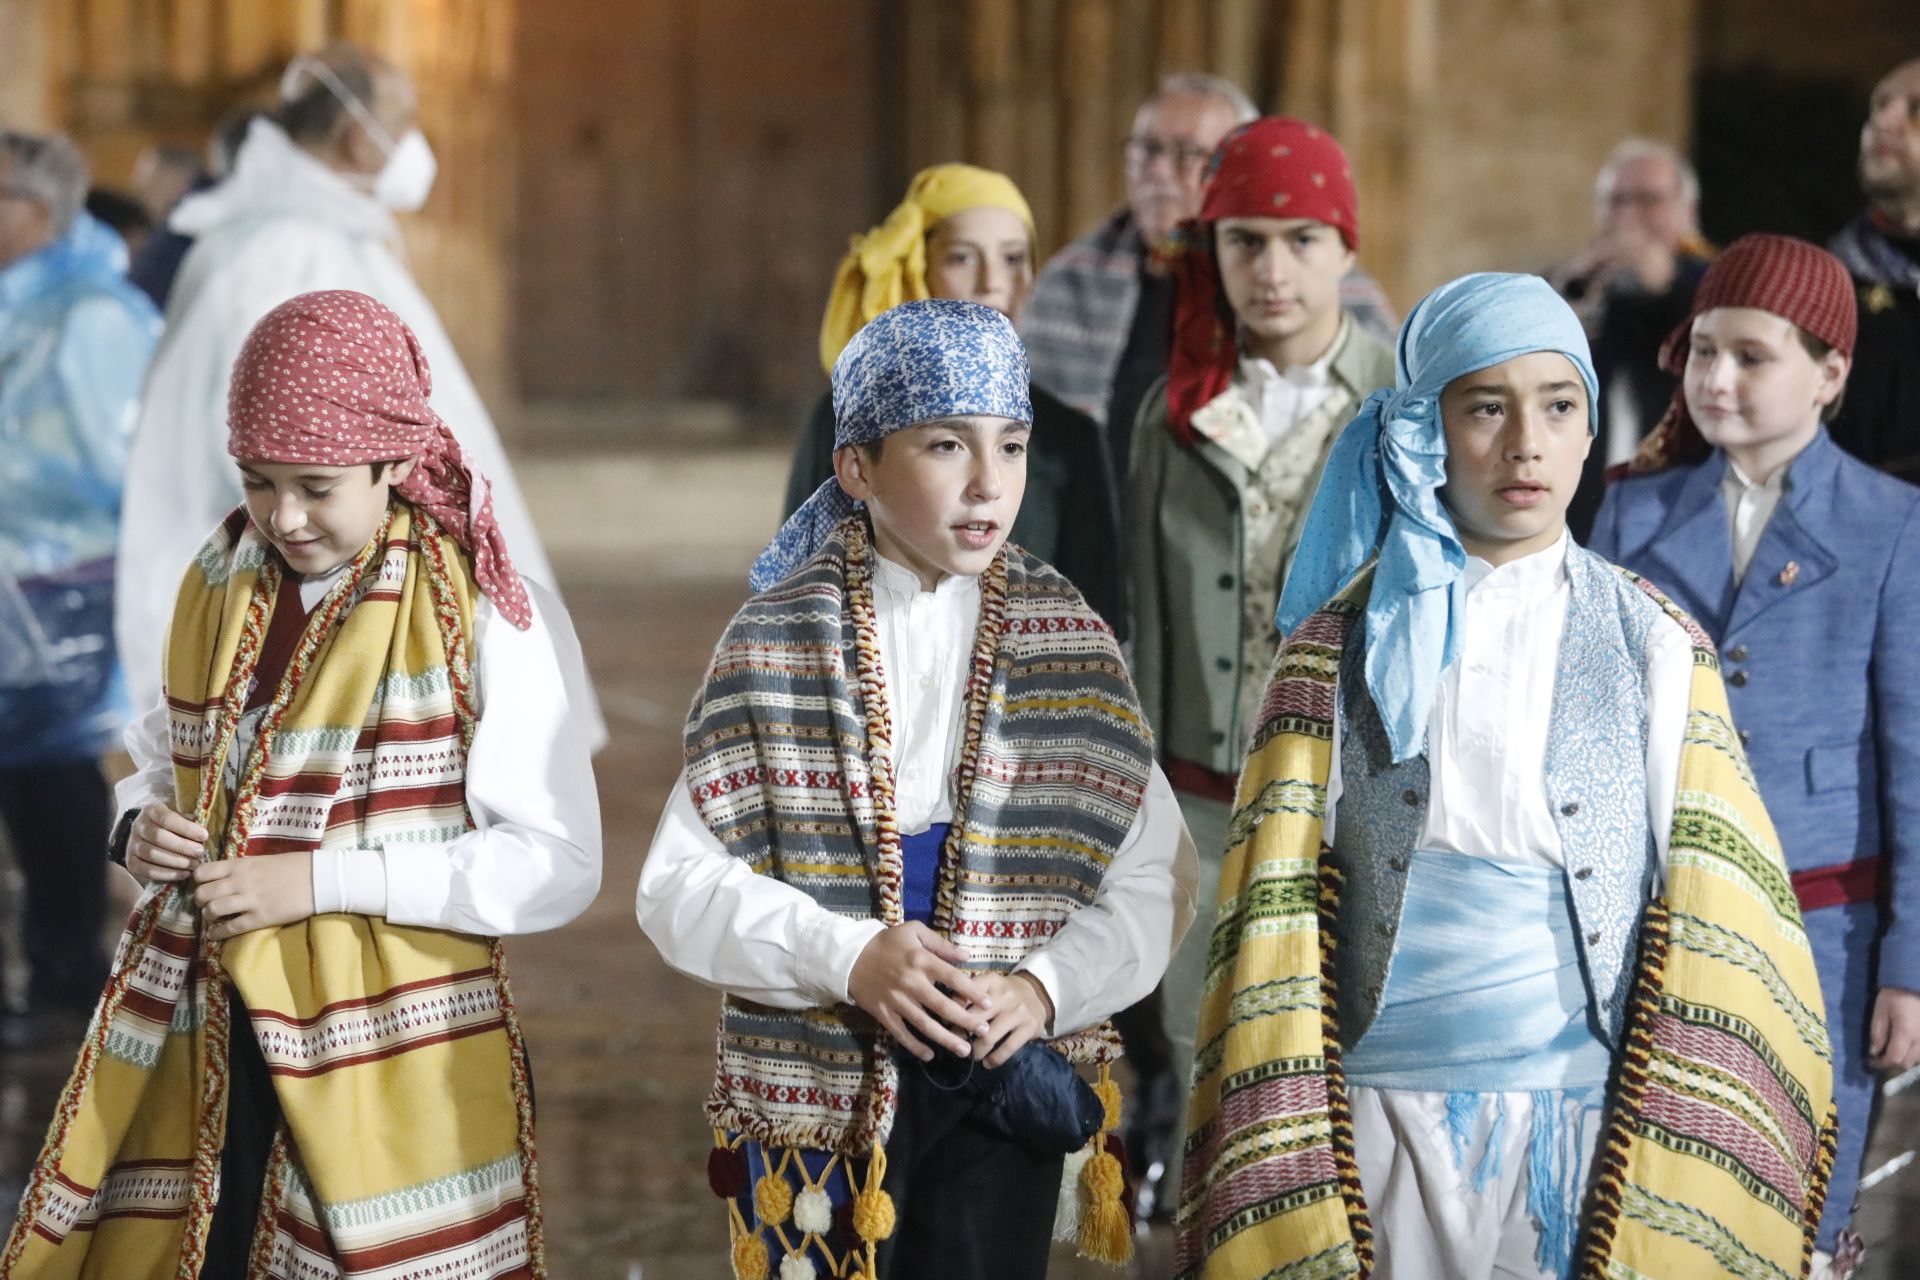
[790,760]
[407,1143]
[1720,1126]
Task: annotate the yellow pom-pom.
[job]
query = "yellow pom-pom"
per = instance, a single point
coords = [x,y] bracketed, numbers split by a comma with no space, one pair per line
[873,1215]
[1104,1233]
[772,1199]
[1103,1178]
[1108,1091]
[750,1257]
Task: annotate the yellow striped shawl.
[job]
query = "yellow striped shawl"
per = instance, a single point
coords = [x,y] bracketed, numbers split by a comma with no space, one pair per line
[407,1146]
[1720,1126]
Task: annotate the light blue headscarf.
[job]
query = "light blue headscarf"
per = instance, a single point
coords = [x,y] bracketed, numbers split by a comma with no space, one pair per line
[917,362]
[1380,493]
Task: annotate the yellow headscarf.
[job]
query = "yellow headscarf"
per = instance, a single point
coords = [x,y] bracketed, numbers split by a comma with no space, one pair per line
[888,265]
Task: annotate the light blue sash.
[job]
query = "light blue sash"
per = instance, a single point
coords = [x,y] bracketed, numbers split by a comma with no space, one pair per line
[1484,992]
[1485,996]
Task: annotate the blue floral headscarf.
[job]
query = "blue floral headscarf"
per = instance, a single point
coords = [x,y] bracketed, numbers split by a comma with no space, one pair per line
[917,362]
[1380,493]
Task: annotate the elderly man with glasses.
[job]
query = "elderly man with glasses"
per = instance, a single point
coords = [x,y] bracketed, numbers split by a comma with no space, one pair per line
[1101,317]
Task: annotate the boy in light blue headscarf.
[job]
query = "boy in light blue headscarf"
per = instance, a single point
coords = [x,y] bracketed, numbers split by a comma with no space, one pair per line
[1500,718]
[921,844]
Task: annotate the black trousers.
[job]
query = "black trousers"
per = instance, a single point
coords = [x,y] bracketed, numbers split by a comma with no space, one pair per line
[970,1204]
[58,817]
[253,1116]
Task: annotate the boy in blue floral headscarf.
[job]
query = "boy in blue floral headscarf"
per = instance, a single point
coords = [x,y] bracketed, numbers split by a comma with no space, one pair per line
[919,834]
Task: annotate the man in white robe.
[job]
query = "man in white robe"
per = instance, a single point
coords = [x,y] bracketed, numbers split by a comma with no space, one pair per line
[309,205]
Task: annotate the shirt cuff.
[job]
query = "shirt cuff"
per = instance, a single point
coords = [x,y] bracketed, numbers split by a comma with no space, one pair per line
[350,880]
[1046,971]
[829,945]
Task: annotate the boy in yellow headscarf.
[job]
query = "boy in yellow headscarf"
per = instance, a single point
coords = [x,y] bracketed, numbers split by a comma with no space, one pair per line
[966,233]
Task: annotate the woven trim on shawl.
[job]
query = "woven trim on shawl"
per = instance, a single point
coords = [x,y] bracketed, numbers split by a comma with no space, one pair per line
[790,763]
[1701,1083]
[1273,1135]
[155,992]
[1719,1134]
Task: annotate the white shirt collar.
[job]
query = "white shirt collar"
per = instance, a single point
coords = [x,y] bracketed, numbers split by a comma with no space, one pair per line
[1736,479]
[898,580]
[1534,570]
[1261,373]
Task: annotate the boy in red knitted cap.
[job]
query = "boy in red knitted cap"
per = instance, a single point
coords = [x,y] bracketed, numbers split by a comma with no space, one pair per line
[1266,368]
[308,1063]
[1803,564]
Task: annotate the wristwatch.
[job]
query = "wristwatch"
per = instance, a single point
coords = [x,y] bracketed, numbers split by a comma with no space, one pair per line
[122,832]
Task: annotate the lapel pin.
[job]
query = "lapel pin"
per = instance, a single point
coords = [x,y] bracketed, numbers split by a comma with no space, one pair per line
[1790,574]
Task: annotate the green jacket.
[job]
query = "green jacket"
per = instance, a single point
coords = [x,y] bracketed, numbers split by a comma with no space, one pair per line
[1186,568]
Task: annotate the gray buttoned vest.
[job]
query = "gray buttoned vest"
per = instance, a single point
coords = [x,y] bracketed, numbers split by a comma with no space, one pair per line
[1596,784]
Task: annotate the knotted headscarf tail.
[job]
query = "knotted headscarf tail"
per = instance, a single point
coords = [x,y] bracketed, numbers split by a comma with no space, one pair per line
[1793,279]
[888,265]
[1380,493]
[1273,167]
[917,362]
[335,378]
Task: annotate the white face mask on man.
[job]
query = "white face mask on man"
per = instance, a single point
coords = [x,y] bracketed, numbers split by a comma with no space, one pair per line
[406,179]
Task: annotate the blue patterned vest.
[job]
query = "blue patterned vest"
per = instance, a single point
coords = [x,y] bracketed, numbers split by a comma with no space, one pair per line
[1596,784]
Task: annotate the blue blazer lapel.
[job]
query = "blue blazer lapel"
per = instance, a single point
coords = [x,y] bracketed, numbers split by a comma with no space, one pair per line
[1790,557]
[1692,555]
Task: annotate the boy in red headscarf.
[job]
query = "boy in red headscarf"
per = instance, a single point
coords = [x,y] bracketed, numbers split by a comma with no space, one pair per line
[1266,368]
[362,772]
[1803,564]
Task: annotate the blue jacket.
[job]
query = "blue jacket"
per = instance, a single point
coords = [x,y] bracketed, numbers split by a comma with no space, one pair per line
[75,339]
[1820,646]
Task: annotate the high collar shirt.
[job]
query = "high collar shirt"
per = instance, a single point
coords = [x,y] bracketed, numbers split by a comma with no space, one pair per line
[926,648]
[1487,736]
[1285,397]
[1749,507]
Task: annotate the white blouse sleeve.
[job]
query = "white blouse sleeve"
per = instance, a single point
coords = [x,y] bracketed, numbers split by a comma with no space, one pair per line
[719,922]
[1110,953]
[532,861]
[1669,699]
[149,741]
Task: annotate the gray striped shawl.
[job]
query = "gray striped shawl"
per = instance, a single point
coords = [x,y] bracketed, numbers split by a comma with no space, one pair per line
[788,751]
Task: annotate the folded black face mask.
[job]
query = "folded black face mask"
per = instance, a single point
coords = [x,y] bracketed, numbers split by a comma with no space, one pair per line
[1034,1098]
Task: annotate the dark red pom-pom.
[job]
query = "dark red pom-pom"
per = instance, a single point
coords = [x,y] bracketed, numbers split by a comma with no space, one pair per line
[843,1238]
[727,1172]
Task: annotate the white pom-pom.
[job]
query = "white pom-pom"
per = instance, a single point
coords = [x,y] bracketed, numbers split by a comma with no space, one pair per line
[798,1266]
[1066,1214]
[813,1212]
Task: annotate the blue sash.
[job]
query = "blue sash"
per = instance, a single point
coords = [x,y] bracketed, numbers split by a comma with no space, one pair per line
[920,859]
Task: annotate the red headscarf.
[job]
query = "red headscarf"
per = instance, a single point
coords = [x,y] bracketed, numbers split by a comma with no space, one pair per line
[1794,280]
[336,379]
[1273,167]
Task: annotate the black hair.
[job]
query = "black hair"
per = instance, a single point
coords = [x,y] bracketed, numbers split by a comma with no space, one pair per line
[118,210]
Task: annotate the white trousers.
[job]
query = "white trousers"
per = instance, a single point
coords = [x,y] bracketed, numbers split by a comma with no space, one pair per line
[1429,1220]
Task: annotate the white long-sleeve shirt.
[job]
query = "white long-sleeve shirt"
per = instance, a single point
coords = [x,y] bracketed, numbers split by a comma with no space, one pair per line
[717,921]
[532,861]
[1487,735]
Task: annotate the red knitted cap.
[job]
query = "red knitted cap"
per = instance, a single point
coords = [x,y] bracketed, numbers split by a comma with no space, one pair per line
[1791,278]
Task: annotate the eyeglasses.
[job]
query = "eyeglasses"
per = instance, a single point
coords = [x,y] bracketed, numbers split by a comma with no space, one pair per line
[1184,155]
